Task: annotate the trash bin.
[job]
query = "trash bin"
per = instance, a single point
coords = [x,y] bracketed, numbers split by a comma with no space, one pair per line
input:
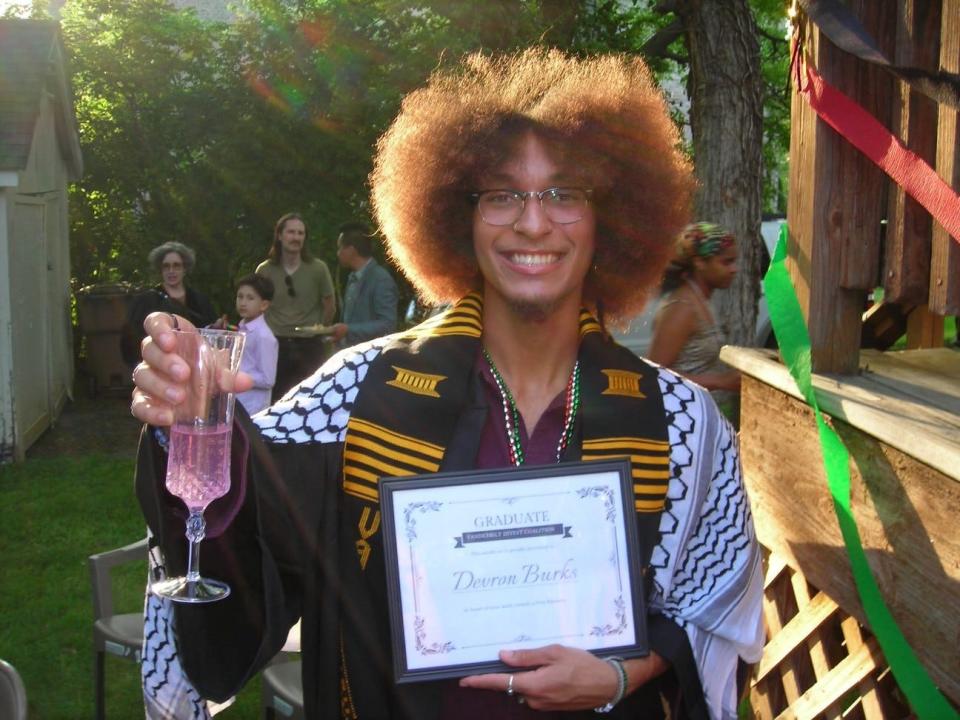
[102,312]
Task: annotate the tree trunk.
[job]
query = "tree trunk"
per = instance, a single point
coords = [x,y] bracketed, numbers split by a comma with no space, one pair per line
[726,118]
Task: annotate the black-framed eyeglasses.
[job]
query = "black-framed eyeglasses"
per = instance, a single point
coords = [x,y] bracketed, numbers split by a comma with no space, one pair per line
[291,291]
[563,205]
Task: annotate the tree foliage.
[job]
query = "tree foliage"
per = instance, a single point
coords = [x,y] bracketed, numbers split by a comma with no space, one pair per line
[206,132]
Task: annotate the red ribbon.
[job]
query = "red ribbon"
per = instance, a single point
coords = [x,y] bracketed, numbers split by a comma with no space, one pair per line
[869,136]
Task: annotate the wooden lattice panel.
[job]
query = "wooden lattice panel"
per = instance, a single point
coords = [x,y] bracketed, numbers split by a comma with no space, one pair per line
[818,661]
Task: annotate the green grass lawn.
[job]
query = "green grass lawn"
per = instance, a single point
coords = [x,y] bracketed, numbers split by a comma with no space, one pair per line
[53,514]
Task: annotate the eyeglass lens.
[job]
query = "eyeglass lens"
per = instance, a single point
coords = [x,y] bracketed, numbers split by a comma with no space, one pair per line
[291,291]
[561,205]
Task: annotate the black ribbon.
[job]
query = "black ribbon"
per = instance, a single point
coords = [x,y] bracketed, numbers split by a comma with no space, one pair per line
[515,533]
[845,31]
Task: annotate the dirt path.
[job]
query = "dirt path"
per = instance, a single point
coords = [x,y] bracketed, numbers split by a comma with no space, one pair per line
[91,425]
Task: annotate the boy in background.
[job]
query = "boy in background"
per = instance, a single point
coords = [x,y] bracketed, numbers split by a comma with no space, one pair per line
[254,293]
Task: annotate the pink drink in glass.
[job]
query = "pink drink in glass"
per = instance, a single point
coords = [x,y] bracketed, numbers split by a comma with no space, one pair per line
[198,463]
[198,468]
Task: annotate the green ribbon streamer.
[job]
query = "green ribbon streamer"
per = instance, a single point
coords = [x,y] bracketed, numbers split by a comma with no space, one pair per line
[794,340]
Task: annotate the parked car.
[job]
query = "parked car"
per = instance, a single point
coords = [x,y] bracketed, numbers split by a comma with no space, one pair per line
[639,334]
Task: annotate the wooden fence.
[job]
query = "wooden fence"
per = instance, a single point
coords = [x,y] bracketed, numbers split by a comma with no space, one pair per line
[853,230]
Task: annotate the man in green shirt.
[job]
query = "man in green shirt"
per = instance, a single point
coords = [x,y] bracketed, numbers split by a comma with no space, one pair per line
[304,297]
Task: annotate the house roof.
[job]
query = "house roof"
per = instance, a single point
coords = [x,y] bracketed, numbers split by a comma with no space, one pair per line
[32,62]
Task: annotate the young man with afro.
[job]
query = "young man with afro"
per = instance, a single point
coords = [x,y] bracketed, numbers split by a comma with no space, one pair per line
[540,195]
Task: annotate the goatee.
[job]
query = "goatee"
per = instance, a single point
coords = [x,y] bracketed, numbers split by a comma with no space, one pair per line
[534,311]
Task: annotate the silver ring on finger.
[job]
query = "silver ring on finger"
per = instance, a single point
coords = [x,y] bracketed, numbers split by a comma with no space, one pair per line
[510,690]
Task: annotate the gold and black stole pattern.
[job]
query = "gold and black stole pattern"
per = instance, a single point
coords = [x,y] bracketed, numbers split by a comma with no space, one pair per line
[415,390]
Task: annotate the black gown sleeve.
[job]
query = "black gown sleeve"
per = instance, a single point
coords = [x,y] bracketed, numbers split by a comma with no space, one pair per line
[681,687]
[279,506]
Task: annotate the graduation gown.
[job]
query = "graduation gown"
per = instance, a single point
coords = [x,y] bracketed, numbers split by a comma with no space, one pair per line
[292,542]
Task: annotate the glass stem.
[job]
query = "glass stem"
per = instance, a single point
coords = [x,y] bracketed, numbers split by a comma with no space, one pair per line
[196,531]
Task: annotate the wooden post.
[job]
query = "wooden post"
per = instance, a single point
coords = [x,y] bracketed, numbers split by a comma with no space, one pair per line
[924,329]
[914,121]
[837,197]
[909,229]
[945,254]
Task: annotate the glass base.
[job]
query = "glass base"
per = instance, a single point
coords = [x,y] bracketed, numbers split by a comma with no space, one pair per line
[202,590]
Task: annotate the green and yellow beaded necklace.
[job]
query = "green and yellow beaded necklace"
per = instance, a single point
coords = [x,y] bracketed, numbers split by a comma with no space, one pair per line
[511,416]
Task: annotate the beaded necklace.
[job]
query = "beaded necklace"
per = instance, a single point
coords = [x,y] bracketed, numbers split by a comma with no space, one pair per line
[511,416]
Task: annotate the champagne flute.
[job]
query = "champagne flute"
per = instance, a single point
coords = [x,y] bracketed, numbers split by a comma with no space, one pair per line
[198,462]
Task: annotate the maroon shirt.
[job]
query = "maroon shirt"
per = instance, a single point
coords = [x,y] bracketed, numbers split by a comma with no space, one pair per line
[539,448]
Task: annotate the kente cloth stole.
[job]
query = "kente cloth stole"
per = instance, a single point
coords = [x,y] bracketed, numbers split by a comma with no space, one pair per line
[415,391]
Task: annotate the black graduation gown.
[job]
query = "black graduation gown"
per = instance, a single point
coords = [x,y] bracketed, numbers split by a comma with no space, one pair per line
[290,552]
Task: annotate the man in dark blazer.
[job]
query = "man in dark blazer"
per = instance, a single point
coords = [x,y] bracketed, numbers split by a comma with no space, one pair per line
[370,299]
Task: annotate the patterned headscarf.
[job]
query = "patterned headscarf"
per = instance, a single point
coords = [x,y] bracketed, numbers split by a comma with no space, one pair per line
[700,239]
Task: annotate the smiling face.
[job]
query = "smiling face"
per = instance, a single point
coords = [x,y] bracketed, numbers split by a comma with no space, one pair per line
[172,269]
[535,266]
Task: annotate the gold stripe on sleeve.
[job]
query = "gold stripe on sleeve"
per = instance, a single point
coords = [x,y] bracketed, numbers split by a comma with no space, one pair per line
[363,492]
[648,506]
[369,461]
[394,438]
[395,455]
[619,443]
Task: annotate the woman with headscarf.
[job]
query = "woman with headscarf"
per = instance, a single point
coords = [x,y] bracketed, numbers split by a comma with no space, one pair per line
[686,336]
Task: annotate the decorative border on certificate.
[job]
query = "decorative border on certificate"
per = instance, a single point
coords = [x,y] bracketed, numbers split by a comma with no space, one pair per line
[512,558]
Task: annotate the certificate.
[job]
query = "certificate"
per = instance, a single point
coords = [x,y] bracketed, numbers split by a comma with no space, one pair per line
[483,561]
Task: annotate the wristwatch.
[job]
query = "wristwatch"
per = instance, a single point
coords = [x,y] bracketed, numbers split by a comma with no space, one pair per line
[617,664]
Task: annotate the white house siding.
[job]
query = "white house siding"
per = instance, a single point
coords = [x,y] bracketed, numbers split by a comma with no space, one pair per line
[6,325]
[31,346]
[38,259]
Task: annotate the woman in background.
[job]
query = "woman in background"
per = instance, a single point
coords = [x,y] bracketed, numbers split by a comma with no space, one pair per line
[173,260]
[686,335]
